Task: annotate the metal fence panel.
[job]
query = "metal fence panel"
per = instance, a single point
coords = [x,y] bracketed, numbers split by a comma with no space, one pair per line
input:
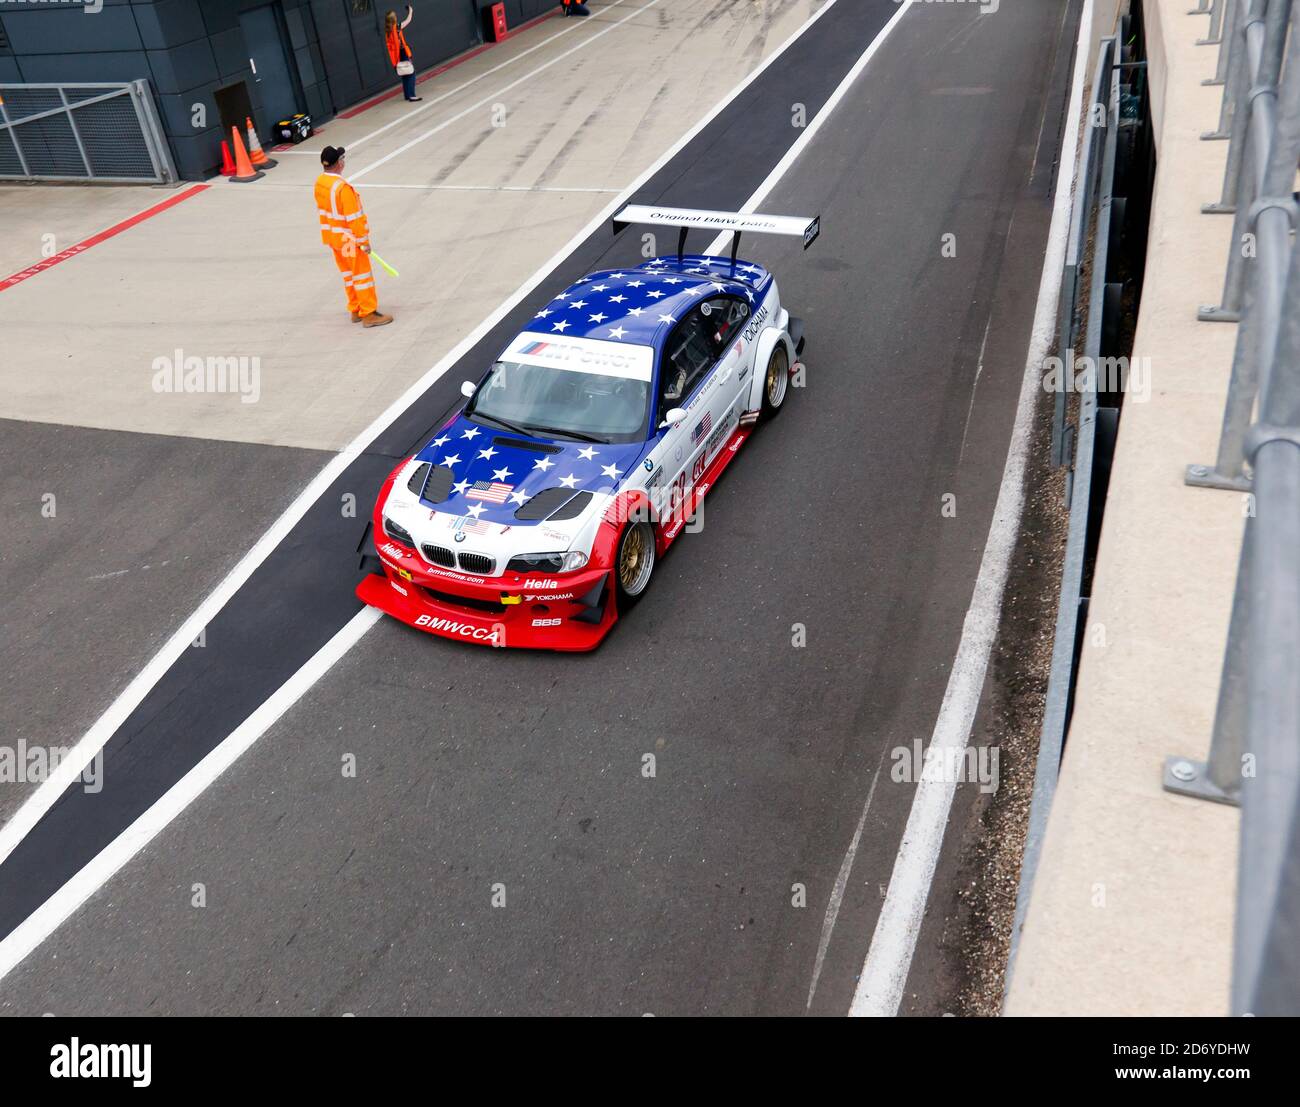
[99,132]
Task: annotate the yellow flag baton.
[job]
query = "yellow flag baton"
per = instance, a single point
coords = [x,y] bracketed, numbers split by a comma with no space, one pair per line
[388,268]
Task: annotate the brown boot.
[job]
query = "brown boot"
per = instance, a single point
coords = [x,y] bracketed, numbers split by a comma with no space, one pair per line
[356,318]
[376,319]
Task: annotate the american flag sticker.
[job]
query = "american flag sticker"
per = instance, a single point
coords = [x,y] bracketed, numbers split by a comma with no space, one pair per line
[493,492]
[701,428]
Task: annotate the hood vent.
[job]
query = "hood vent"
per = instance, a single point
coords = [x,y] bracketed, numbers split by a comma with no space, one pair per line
[416,483]
[547,502]
[573,508]
[438,487]
[431,483]
[524,444]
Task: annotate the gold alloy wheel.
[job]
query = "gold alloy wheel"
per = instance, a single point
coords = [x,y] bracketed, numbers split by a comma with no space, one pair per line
[635,559]
[778,377]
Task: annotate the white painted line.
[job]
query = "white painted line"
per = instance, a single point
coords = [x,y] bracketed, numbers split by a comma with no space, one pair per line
[884,975]
[41,923]
[810,131]
[841,883]
[77,758]
[406,117]
[495,96]
[495,188]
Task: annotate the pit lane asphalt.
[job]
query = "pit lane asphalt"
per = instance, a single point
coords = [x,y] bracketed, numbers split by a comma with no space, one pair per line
[479,767]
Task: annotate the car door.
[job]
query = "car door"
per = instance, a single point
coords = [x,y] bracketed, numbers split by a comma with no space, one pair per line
[700,376]
[726,317]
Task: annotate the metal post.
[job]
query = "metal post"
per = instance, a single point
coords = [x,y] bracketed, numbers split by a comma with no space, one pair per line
[156,140]
[1218,778]
[81,146]
[1215,34]
[1226,35]
[1233,58]
[1265,980]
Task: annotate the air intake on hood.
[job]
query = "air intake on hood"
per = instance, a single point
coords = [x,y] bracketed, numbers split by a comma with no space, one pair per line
[524,444]
[546,503]
[573,508]
[438,487]
[416,483]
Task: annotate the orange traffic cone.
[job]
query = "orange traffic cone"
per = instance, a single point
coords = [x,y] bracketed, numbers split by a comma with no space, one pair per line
[227,162]
[255,153]
[244,171]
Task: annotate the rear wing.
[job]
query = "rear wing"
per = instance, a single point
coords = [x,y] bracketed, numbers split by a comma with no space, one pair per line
[689,219]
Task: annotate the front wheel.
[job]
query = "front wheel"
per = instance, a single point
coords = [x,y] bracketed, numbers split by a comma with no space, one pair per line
[634,562]
[777,382]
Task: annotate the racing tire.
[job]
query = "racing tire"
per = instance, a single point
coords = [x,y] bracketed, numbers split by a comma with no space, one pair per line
[634,563]
[776,382]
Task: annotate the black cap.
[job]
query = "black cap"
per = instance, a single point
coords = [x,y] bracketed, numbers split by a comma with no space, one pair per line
[331,154]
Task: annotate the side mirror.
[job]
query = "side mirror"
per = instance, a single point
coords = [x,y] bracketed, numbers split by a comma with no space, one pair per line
[673,417]
[468,388]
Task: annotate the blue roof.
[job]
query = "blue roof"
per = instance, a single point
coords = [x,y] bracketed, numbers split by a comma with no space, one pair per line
[641,305]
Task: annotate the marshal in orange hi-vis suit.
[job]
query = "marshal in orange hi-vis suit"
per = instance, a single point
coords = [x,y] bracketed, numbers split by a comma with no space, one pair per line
[344,229]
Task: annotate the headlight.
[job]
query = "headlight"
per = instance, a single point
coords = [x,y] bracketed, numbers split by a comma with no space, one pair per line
[548,562]
[398,533]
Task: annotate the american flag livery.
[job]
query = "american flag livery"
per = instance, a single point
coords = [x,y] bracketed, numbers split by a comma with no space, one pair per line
[702,428]
[493,492]
[642,305]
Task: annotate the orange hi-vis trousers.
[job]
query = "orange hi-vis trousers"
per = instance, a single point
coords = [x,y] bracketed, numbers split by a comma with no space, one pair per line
[358,280]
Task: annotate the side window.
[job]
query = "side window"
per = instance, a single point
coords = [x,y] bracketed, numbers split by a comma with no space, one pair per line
[690,354]
[725,317]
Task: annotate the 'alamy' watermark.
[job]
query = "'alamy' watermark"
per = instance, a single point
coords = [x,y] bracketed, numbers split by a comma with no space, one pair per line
[181,374]
[24,764]
[90,7]
[946,764]
[1132,376]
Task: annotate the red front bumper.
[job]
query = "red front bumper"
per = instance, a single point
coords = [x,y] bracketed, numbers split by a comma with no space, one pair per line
[516,609]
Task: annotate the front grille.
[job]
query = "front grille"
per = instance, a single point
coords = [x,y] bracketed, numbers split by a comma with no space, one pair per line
[477,563]
[439,555]
[467,602]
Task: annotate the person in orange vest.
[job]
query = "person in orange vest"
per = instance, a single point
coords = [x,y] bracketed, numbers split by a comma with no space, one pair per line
[345,230]
[399,53]
[575,7]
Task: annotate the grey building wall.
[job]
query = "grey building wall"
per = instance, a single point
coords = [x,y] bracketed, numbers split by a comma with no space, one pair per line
[188,49]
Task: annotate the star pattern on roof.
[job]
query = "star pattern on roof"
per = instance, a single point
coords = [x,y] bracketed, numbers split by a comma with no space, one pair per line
[641,305]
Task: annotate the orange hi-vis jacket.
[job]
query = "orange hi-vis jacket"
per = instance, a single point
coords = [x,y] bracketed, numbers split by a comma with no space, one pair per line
[398,49]
[343,224]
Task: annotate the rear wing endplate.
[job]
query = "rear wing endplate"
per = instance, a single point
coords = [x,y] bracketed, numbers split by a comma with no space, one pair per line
[689,219]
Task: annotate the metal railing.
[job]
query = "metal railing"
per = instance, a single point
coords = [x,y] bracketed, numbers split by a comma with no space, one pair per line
[1254,759]
[85,132]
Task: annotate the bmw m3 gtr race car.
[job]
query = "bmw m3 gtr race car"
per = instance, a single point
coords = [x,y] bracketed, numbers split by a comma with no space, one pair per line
[537,514]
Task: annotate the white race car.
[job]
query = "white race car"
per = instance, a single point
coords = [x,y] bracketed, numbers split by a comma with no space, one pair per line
[539,511]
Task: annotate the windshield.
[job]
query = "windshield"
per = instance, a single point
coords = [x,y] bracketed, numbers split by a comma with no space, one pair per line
[562,402]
